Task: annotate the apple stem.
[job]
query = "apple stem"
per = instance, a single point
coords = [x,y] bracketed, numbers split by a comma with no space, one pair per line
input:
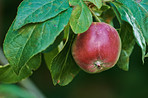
[95,15]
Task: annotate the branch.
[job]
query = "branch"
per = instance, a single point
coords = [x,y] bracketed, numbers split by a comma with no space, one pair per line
[95,15]
[3,60]
[31,87]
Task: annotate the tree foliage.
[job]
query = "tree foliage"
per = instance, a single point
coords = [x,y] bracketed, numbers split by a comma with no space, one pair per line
[49,27]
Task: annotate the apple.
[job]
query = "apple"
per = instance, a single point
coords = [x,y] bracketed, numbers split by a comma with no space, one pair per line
[97,49]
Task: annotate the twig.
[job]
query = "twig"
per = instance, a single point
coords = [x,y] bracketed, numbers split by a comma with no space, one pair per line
[27,83]
[117,14]
[3,60]
[95,15]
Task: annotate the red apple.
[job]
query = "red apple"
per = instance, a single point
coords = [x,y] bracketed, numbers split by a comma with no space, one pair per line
[97,49]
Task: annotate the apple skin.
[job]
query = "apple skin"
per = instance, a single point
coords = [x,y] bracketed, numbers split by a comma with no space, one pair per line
[97,49]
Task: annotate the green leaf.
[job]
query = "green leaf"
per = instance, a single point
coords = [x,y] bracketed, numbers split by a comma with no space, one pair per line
[50,56]
[64,68]
[143,4]
[136,16]
[21,45]
[128,42]
[107,0]
[108,15]
[56,43]
[14,91]
[146,55]
[7,75]
[53,61]
[97,3]
[98,12]
[32,11]
[81,17]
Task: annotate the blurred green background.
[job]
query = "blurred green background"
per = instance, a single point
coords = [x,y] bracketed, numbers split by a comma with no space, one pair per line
[113,83]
